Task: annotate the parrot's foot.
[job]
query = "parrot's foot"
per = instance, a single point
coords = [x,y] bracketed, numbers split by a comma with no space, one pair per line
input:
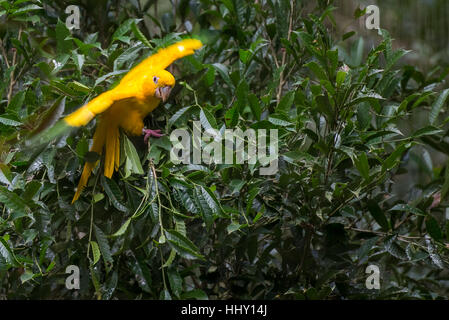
[151,133]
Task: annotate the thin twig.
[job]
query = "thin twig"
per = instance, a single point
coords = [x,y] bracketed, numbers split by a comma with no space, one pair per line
[284,54]
[382,233]
[14,57]
[276,62]
[153,169]
[91,216]
[5,56]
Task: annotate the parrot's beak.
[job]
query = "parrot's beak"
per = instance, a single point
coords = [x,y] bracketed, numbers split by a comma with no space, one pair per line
[163,93]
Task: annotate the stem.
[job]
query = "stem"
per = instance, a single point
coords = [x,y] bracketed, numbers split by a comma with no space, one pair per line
[163,270]
[91,217]
[284,54]
[158,197]
[381,233]
[160,222]
[14,57]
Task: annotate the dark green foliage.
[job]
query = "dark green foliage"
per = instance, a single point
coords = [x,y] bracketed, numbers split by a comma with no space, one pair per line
[159,230]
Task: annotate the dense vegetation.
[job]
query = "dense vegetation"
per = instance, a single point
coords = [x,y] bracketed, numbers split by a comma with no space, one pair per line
[163,231]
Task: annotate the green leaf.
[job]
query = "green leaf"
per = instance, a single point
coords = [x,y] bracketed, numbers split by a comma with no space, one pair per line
[233,227]
[276,120]
[16,103]
[108,75]
[362,165]
[392,59]
[434,256]
[242,93]
[363,115]
[195,294]
[24,9]
[324,106]
[348,35]
[7,253]
[372,96]
[78,60]
[50,266]
[26,276]
[286,102]
[317,70]
[122,229]
[63,45]
[183,245]
[341,76]
[139,35]
[51,117]
[209,77]
[82,147]
[124,28]
[129,54]
[253,192]
[426,131]
[244,55]
[175,282]
[433,228]
[394,249]
[170,259]
[10,122]
[255,106]
[132,164]
[391,161]
[104,247]
[5,174]
[232,116]
[78,86]
[207,203]
[378,214]
[95,251]
[29,235]
[13,202]
[113,192]
[224,72]
[207,120]
[407,208]
[437,106]
[178,115]
[30,190]
[366,247]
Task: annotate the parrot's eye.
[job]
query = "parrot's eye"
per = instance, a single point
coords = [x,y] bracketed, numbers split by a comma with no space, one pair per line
[155,80]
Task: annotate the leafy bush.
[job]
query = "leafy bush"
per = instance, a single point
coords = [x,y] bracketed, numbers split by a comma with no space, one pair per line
[173,231]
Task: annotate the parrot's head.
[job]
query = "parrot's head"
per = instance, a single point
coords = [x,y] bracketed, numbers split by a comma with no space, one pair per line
[163,82]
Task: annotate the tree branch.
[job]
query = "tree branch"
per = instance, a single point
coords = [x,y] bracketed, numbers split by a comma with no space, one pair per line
[284,54]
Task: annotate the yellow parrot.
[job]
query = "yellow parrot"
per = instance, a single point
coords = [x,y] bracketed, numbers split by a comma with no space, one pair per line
[138,93]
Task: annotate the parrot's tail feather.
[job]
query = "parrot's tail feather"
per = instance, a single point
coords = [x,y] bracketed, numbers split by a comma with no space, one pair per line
[100,137]
[112,155]
[117,151]
[83,180]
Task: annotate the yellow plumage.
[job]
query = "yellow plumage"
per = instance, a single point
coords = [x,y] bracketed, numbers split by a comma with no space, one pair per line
[125,106]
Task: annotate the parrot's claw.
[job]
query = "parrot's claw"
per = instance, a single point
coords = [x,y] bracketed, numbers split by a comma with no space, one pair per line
[151,133]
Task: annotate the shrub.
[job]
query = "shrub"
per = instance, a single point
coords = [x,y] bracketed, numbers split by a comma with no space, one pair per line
[174,231]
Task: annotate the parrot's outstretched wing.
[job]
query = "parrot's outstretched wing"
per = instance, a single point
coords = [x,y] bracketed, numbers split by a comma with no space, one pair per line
[98,105]
[165,57]
[80,117]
